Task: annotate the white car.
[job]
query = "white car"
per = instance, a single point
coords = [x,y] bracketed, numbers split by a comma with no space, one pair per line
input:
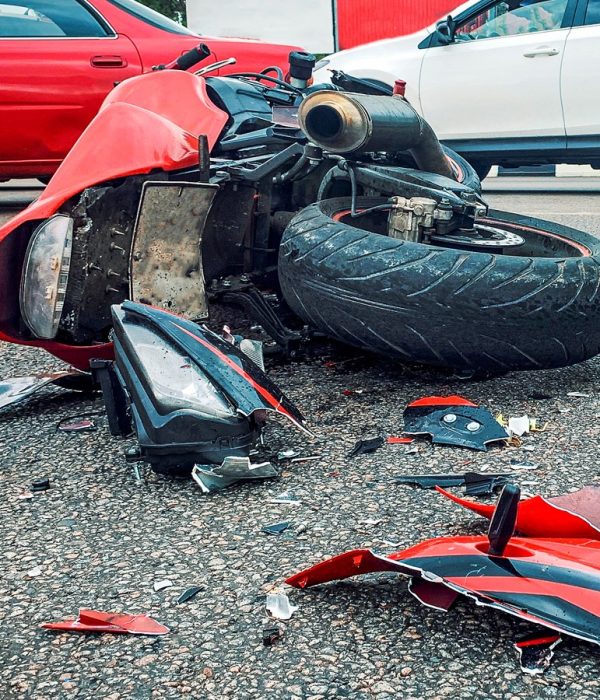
[508,82]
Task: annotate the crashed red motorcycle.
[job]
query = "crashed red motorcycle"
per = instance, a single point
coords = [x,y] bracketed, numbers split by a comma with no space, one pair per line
[329,208]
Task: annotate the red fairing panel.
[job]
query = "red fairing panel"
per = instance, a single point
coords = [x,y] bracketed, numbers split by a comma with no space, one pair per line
[115,623]
[573,515]
[552,582]
[150,122]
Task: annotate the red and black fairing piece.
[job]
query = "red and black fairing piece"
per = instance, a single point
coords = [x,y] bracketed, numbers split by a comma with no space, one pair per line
[571,515]
[551,582]
[191,397]
[453,420]
[115,623]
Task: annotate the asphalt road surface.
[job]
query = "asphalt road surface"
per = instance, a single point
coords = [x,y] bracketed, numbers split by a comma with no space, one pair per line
[100,538]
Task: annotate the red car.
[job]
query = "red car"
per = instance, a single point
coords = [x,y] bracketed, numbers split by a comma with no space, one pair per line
[60,58]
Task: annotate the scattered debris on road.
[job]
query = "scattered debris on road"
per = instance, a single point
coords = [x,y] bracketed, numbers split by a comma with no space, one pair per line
[453,420]
[278,606]
[115,623]
[475,484]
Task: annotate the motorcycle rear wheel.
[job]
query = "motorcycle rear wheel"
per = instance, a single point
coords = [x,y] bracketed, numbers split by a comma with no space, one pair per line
[464,309]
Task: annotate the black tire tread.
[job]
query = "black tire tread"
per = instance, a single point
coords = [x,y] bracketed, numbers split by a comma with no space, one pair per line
[438,305]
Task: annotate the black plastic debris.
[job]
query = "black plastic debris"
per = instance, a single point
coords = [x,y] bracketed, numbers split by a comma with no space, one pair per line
[366,446]
[276,528]
[40,485]
[475,484]
[453,420]
[536,651]
[189,594]
[271,634]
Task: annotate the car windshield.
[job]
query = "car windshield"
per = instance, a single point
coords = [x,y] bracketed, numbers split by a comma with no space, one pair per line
[151,17]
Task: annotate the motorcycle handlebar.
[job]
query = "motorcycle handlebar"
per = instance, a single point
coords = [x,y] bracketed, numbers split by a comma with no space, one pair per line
[188,59]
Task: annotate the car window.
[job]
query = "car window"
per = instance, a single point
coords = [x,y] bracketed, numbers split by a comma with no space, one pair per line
[48,18]
[511,17]
[592,15]
[151,16]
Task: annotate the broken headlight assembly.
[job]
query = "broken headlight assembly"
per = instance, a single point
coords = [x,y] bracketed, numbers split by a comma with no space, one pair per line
[45,275]
[189,396]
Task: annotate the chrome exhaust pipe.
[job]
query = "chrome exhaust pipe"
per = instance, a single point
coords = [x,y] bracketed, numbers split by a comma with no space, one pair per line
[350,123]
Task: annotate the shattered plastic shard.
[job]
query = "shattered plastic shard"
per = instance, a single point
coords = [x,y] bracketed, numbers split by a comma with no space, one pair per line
[74,425]
[453,420]
[571,515]
[116,623]
[232,471]
[271,634]
[188,594]
[366,446]
[475,484]
[536,651]
[286,498]
[161,585]
[518,426]
[276,528]
[20,388]
[278,606]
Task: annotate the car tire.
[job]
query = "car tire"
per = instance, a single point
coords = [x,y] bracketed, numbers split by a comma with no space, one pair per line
[445,306]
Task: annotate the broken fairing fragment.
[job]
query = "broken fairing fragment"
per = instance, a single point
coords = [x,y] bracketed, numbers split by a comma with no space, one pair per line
[453,420]
[551,582]
[475,484]
[536,651]
[117,623]
[232,471]
[572,515]
[20,388]
[278,606]
[366,446]
[194,398]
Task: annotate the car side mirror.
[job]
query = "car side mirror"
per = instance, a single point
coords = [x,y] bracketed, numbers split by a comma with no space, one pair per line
[444,31]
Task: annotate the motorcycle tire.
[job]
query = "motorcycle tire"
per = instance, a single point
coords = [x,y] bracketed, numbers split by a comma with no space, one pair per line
[457,308]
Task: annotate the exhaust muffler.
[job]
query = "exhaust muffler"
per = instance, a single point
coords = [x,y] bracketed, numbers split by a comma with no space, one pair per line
[351,123]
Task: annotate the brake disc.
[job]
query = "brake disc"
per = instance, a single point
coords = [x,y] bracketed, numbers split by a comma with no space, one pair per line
[481,236]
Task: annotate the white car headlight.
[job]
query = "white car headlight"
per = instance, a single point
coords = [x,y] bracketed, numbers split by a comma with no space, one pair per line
[321,64]
[45,274]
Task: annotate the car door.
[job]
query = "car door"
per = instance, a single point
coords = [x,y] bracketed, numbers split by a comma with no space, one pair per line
[580,78]
[500,76]
[58,60]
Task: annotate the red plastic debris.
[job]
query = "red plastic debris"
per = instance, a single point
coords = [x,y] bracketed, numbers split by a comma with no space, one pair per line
[442,401]
[115,623]
[572,515]
[395,440]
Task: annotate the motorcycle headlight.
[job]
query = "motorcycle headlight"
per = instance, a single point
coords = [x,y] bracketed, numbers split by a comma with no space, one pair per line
[173,379]
[45,274]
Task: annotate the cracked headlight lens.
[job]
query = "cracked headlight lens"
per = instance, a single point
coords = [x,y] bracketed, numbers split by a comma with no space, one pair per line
[45,274]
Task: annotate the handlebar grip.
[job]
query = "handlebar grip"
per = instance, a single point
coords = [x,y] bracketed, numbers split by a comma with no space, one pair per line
[193,56]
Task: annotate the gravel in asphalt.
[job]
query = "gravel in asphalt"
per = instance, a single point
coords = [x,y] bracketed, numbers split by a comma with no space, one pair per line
[101,539]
